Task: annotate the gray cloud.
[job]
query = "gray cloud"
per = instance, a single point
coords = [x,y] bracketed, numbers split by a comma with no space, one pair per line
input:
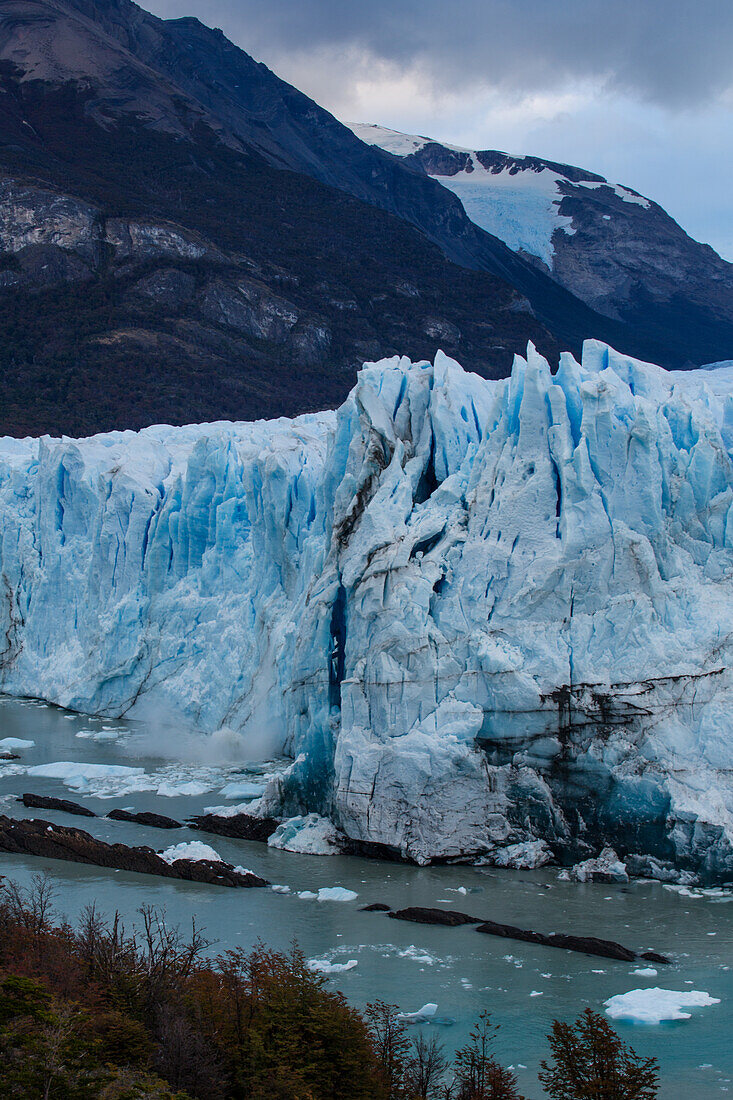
[672,52]
[639,90]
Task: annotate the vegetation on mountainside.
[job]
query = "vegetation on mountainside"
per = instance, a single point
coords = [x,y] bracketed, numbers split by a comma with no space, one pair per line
[101,1012]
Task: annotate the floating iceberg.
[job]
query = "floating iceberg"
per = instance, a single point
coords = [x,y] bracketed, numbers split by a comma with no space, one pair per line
[7,744]
[323,966]
[242,790]
[654,1006]
[606,867]
[336,893]
[476,614]
[309,835]
[77,775]
[422,1016]
[525,856]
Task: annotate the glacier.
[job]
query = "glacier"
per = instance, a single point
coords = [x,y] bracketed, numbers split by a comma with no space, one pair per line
[475,614]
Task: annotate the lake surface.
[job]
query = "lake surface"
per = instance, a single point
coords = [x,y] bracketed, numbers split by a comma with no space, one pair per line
[523,986]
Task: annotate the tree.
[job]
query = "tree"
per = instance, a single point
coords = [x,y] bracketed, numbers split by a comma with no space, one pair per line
[593,1063]
[479,1076]
[426,1068]
[391,1046]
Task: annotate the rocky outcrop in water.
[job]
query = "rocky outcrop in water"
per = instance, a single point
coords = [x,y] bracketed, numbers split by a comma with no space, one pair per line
[241,826]
[156,821]
[451,918]
[586,945]
[45,802]
[41,838]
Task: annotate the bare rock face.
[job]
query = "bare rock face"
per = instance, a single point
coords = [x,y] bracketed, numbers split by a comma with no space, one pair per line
[36,216]
[151,239]
[250,309]
[41,838]
[168,287]
[312,343]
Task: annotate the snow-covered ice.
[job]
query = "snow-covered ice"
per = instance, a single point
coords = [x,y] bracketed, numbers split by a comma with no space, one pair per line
[471,612]
[8,744]
[192,849]
[78,775]
[654,1006]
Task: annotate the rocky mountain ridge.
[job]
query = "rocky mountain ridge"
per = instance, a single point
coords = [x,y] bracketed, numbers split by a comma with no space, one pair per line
[617,251]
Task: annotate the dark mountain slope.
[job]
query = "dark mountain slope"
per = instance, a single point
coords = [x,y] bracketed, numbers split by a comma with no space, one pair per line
[158,279]
[183,236]
[117,46]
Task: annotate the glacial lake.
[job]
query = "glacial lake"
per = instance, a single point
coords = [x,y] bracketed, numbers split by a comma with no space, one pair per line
[523,986]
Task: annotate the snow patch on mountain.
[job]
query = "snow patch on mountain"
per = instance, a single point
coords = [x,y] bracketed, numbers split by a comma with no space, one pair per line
[516,199]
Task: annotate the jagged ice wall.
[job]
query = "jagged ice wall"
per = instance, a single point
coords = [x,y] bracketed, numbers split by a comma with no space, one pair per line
[475,613]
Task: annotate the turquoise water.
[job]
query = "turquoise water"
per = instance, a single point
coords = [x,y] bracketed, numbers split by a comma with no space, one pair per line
[525,987]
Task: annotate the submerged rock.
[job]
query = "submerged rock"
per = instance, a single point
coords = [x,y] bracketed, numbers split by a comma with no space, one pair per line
[41,838]
[587,945]
[45,802]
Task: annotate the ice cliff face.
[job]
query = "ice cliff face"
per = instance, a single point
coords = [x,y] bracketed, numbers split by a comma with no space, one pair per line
[476,613]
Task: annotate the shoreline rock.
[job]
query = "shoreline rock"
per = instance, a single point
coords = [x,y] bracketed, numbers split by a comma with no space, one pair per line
[42,838]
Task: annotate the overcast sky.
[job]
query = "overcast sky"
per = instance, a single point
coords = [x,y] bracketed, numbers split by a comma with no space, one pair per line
[638,90]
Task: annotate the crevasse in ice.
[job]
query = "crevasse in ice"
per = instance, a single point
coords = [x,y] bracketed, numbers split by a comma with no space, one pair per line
[477,614]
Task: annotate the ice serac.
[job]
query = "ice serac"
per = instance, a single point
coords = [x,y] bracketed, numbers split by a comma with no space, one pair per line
[478,615]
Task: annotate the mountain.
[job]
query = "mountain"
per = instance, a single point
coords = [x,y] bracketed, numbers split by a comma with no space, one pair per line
[481,617]
[619,252]
[186,237]
[161,258]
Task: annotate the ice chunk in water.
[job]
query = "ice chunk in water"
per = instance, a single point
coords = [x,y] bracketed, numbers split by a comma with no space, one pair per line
[422,1016]
[653,1006]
